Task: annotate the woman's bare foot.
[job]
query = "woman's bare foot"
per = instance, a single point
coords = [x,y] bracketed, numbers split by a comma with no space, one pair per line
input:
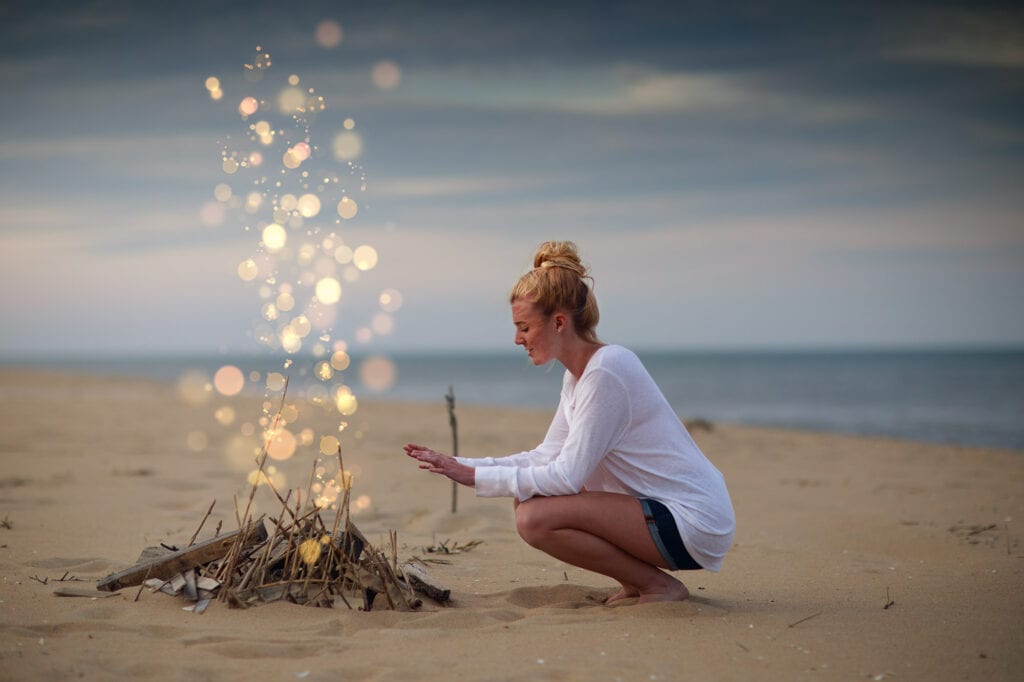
[627,592]
[670,590]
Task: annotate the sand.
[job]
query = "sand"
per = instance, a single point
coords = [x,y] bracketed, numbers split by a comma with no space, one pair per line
[830,529]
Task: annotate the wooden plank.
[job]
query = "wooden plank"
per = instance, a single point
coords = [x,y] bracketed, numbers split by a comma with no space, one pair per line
[65,591]
[424,583]
[182,560]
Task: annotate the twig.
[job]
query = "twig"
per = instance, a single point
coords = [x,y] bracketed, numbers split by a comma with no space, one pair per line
[450,399]
[740,645]
[888,602]
[39,580]
[192,541]
[143,584]
[802,620]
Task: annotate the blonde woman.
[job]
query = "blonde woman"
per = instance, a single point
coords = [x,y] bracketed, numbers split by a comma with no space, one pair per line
[618,486]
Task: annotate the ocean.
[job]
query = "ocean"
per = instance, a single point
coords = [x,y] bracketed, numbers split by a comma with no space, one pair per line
[973,398]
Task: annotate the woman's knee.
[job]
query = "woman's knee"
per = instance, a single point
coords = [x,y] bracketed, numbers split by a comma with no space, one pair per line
[530,521]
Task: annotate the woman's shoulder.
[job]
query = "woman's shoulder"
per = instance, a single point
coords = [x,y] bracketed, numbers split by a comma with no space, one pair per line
[616,359]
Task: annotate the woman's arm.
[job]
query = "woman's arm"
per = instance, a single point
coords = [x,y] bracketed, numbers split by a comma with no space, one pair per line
[437,463]
[602,415]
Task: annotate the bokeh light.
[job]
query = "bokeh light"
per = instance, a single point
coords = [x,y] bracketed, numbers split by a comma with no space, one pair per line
[248,106]
[347,146]
[194,387]
[377,373]
[281,444]
[328,34]
[347,208]
[229,380]
[328,291]
[386,75]
[274,237]
[390,300]
[365,257]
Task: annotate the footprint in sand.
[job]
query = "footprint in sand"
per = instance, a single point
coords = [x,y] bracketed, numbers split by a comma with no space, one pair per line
[566,596]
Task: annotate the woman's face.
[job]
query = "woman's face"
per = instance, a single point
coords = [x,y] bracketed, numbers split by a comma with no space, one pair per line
[534,331]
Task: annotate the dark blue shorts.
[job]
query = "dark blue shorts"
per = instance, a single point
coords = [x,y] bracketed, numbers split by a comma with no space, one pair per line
[666,536]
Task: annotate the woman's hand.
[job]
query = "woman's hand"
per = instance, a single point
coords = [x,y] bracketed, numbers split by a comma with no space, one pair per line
[437,463]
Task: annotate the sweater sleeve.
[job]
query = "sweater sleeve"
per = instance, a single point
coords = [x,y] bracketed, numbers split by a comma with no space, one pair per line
[601,416]
[543,453]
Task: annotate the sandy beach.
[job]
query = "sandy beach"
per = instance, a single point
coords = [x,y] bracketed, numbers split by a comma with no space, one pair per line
[831,530]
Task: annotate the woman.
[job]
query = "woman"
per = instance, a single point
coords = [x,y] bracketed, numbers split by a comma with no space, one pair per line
[618,486]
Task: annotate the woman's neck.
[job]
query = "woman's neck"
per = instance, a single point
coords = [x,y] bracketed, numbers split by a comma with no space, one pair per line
[577,356]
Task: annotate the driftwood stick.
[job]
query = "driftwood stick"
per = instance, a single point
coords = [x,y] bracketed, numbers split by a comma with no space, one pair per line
[454,423]
[182,560]
[424,583]
[192,540]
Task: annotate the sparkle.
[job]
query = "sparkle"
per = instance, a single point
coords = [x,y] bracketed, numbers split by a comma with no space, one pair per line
[274,237]
[328,290]
[365,257]
[347,208]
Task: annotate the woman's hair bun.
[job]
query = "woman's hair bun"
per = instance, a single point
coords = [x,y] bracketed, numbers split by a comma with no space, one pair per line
[559,254]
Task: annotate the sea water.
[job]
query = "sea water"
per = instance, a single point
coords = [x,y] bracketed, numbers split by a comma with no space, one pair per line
[958,397]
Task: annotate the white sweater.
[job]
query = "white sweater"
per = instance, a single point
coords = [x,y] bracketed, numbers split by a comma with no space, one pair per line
[614,431]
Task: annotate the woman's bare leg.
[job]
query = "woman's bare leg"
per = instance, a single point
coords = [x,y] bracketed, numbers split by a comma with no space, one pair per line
[601,532]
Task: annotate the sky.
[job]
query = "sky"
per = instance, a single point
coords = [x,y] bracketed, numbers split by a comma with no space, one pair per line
[738,176]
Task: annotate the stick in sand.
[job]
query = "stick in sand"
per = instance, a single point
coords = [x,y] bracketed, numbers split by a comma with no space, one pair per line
[450,399]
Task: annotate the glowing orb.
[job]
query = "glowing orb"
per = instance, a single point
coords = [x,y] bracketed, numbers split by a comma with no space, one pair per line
[275,381]
[291,159]
[386,75]
[222,192]
[289,202]
[349,124]
[309,205]
[229,166]
[382,324]
[362,503]
[212,214]
[390,300]
[365,257]
[241,452]
[329,445]
[377,373]
[347,208]
[343,254]
[194,387]
[290,100]
[302,150]
[212,83]
[291,342]
[285,302]
[345,401]
[281,444]
[323,371]
[328,34]
[347,146]
[229,380]
[248,106]
[256,159]
[225,415]
[340,360]
[274,237]
[328,290]
[301,326]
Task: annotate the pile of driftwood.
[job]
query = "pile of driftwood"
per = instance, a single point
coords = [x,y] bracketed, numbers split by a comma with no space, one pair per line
[304,560]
